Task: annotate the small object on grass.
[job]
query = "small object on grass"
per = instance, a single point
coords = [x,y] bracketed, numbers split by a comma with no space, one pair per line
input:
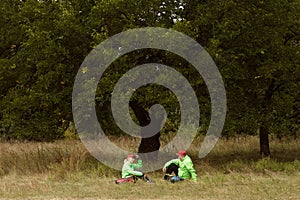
[125,180]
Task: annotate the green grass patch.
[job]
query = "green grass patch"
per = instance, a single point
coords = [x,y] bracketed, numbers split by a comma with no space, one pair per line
[276,166]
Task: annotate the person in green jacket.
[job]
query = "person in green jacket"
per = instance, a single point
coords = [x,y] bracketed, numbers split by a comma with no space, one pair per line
[182,167]
[130,169]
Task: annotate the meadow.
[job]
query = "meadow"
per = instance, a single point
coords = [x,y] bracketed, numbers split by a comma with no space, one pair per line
[64,169]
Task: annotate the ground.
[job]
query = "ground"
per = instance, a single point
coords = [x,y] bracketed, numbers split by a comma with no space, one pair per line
[233,170]
[218,186]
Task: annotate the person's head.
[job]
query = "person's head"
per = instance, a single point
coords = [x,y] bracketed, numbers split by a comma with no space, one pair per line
[130,158]
[181,154]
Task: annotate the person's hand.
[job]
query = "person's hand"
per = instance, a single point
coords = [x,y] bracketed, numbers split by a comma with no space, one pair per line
[164,169]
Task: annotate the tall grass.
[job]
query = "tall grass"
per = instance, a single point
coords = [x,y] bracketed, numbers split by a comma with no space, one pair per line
[60,158]
[232,170]
[68,156]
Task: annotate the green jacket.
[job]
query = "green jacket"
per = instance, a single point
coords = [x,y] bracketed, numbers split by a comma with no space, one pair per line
[186,168]
[128,169]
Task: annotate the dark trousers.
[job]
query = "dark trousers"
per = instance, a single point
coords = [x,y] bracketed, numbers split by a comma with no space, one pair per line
[143,177]
[172,168]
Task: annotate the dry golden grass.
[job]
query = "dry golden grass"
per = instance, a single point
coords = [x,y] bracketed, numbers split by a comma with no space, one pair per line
[217,186]
[233,170]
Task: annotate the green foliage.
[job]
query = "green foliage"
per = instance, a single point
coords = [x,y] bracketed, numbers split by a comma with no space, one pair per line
[37,105]
[255,44]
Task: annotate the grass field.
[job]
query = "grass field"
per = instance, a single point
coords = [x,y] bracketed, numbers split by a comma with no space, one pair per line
[233,170]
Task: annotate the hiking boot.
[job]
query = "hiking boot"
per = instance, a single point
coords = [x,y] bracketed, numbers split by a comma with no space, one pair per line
[150,181]
[167,177]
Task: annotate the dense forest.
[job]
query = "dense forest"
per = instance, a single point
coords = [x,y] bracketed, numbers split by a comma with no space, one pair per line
[254,43]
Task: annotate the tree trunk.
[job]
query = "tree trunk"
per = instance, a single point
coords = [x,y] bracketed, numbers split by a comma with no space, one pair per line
[264,141]
[263,130]
[149,144]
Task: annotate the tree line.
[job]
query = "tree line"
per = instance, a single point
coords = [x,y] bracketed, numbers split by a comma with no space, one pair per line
[255,44]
